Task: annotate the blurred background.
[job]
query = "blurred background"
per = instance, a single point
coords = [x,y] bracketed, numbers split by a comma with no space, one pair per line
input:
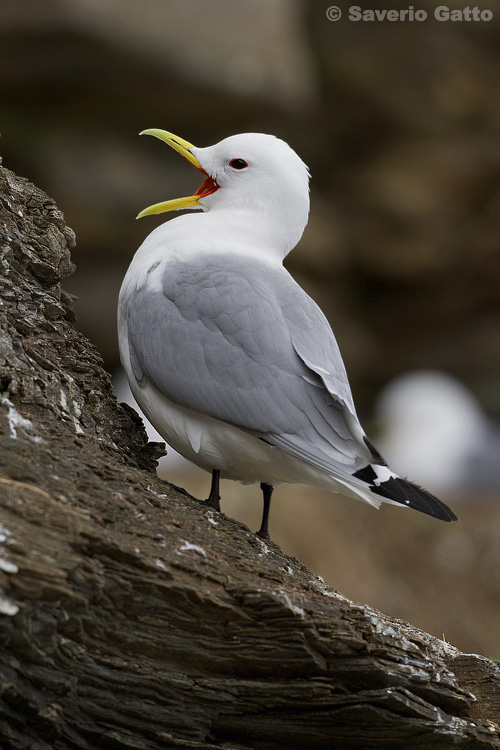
[400,126]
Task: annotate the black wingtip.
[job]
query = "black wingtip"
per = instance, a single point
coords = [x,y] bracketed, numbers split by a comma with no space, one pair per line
[409,494]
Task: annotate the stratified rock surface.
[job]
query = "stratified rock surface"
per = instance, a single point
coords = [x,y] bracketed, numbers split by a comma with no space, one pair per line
[131,616]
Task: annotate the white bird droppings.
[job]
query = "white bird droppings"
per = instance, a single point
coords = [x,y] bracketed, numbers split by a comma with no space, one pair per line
[7,607]
[210,516]
[293,607]
[187,546]
[7,566]
[265,548]
[63,401]
[321,586]
[16,421]
[4,533]
[162,496]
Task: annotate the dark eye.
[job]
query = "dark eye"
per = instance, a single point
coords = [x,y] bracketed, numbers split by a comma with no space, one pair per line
[238,164]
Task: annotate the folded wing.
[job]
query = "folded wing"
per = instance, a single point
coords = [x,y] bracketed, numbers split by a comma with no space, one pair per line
[244,343]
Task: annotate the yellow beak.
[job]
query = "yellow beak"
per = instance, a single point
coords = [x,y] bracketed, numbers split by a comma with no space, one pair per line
[184,149]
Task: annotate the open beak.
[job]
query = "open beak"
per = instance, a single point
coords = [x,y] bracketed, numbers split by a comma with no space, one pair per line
[184,149]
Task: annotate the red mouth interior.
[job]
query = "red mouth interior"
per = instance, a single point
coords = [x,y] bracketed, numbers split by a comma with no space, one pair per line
[208,187]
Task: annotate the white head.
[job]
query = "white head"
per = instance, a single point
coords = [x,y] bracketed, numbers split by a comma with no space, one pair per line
[257,177]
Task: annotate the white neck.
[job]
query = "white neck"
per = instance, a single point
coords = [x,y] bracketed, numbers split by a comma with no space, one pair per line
[225,230]
[267,229]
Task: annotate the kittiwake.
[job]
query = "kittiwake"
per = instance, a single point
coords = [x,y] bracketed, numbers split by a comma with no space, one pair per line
[228,357]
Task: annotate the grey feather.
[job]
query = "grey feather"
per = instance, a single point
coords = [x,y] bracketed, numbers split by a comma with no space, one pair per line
[245,344]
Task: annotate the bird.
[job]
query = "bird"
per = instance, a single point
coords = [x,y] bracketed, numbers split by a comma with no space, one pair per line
[233,363]
[432,425]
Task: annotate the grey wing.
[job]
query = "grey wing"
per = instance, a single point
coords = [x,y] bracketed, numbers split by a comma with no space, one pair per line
[314,342]
[246,345]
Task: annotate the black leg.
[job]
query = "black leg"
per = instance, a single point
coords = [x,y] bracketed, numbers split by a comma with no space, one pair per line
[267,491]
[213,500]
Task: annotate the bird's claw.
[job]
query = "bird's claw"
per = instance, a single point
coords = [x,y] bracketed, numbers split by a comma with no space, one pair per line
[212,502]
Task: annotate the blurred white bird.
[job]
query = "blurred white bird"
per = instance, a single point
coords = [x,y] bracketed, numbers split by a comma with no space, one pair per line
[433,427]
[228,357]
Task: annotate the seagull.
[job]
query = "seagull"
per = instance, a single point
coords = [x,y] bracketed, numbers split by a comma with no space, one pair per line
[432,425]
[229,358]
